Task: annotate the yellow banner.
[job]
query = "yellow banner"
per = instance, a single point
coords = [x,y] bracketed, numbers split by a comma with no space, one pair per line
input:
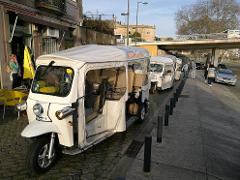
[28,70]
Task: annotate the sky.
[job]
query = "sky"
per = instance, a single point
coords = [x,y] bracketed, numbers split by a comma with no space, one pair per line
[160,13]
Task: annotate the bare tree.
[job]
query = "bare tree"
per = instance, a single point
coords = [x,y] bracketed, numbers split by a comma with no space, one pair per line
[104,26]
[208,16]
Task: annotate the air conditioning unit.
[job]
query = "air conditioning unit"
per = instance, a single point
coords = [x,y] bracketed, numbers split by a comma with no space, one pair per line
[50,32]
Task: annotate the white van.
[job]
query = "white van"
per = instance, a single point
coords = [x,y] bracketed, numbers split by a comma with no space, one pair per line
[80,96]
[162,73]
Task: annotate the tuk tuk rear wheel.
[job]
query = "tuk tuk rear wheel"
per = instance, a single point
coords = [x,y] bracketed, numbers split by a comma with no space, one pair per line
[37,161]
[142,112]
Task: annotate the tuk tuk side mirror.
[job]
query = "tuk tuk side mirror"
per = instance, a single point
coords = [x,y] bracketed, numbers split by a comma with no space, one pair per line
[65,112]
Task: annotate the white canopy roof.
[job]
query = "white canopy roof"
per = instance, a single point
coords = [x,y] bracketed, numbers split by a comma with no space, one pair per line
[161,59]
[174,58]
[96,54]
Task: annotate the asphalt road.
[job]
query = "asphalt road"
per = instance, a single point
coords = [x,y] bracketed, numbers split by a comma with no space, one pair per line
[95,163]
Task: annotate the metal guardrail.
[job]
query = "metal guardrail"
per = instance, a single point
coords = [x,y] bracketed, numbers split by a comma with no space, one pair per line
[215,36]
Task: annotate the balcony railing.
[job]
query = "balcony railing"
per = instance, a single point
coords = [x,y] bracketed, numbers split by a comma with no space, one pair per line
[54,6]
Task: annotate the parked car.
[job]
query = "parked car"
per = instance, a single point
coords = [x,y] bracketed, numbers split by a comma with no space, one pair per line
[225,76]
[222,66]
[199,65]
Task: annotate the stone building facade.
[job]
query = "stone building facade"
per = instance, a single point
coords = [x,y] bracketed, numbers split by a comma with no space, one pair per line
[45,26]
[148,33]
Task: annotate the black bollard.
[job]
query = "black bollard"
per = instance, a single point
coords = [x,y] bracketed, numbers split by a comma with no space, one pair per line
[147,154]
[166,115]
[174,101]
[176,92]
[171,106]
[175,96]
[180,87]
[159,129]
[179,92]
[182,84]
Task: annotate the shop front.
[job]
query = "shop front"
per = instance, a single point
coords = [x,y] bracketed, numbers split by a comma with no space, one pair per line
[41,33]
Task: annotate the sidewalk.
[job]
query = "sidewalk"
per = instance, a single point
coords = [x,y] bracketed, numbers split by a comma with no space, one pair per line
[202,140]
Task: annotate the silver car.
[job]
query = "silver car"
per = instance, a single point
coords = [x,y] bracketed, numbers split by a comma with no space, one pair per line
[225,76]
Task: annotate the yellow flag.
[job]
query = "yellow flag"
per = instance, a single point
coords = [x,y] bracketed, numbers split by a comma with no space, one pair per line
[28,70]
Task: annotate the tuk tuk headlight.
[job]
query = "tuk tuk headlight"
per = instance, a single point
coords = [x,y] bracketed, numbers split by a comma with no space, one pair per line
[37,109]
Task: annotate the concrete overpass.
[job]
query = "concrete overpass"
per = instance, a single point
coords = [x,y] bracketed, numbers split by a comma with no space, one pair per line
[193,44]
[155,47]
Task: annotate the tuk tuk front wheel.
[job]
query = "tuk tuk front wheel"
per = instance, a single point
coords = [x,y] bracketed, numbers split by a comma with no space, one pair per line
[142,112]
[153,88]
[37,156]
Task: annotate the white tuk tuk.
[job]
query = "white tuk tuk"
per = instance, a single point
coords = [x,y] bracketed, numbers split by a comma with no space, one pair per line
[177,66]
[80,96]
[161,73]
[178,69]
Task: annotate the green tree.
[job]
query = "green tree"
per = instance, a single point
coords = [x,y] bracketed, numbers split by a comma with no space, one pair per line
[136,36]
[105,26]
[208,16]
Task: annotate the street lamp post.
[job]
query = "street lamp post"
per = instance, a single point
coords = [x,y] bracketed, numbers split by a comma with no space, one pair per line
[128,15]
[137,12]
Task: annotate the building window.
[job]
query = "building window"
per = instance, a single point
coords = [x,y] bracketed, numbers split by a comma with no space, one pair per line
[68,40]
[49,45]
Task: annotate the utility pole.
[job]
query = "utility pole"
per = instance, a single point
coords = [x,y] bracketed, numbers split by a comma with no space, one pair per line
[128,16]
[137,12]
[137,16]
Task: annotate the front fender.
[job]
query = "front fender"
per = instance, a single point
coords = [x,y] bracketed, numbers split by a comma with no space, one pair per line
[38,128]
[160,82]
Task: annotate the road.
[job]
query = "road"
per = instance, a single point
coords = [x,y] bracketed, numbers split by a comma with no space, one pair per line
[95,163]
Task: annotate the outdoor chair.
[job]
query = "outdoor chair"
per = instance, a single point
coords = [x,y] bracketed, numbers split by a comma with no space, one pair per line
[2,95]
[11,98]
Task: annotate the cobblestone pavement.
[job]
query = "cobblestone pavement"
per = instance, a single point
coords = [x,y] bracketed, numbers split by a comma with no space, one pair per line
[95,163]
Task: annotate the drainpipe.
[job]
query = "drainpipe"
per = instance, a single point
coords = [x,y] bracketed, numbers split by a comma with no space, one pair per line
[60,44]
[128,16]
[1,78]
[14,27]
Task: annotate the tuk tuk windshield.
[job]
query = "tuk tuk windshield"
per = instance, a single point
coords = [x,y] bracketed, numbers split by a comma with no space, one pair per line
[53,80]
[156,67]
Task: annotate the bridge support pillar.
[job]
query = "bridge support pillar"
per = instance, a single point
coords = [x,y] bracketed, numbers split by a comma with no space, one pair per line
[215,57]
[161,52]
